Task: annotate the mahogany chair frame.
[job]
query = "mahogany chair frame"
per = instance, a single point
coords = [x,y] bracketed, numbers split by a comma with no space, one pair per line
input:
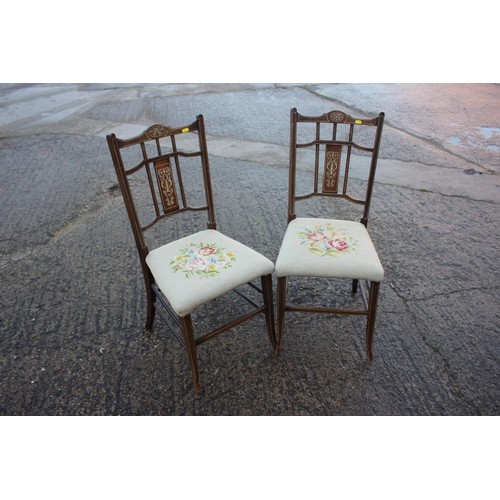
[162,184]
[331,189]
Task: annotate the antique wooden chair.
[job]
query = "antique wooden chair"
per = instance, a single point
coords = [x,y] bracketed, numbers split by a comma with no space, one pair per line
[182,274]
[331,247]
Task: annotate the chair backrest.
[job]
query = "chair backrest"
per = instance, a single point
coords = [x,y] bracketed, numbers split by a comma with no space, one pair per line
[326,143]
[156,157]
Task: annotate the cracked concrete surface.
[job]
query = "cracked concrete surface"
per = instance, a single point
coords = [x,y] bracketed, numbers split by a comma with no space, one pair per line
[72,339]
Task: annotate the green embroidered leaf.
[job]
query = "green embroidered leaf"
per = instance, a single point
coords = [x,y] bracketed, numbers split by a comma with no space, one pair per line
[332,252]
[316,251]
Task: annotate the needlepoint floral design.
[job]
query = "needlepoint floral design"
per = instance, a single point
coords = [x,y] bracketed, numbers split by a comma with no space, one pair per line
[327,240]
[205,260]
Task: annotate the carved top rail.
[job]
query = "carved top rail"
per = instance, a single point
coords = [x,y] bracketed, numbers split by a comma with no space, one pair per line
[337,116]
[157,131]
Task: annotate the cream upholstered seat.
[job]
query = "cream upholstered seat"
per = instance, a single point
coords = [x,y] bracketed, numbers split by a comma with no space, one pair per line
[198,268]
[331,247]
[185,272]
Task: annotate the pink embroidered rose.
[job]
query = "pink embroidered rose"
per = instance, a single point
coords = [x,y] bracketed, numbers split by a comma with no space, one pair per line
[338,245]
[316,236]
[196,264]
[206,251]
[325,240]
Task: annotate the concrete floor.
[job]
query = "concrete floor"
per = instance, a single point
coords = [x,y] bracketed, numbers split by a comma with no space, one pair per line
[72,340]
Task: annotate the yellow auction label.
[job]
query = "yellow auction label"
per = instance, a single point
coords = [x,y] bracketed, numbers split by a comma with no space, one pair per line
[184,130]
[358,122]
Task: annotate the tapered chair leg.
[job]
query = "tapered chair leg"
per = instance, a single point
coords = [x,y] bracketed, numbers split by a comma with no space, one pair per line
[151,311]
[151,299]
[187,330]
[282,282]
[267,292]
[372,313]
[354,286]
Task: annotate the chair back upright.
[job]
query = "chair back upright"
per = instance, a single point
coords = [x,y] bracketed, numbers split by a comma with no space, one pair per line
[156,157]
[327,143]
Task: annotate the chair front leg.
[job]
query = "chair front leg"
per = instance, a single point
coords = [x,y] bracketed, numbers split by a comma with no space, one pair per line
[372,314]
[187,330]
[267,292]
[282,283]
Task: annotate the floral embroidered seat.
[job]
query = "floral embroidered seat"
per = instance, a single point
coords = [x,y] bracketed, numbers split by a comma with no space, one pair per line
[199,268]
[185,272]
[328,247]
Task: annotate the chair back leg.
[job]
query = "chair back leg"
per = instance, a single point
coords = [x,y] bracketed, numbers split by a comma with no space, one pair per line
[190,343]
[151,299]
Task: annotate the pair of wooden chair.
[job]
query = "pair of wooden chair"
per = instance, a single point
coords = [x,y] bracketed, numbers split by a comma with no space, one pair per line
[155,171]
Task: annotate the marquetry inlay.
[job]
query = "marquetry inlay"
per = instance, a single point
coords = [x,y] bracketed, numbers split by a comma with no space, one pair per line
[337,116]
[156,131]
[332,168]
[166,185]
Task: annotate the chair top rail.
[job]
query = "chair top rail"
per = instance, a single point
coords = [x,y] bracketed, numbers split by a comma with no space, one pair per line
[337,116]
[157,131]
